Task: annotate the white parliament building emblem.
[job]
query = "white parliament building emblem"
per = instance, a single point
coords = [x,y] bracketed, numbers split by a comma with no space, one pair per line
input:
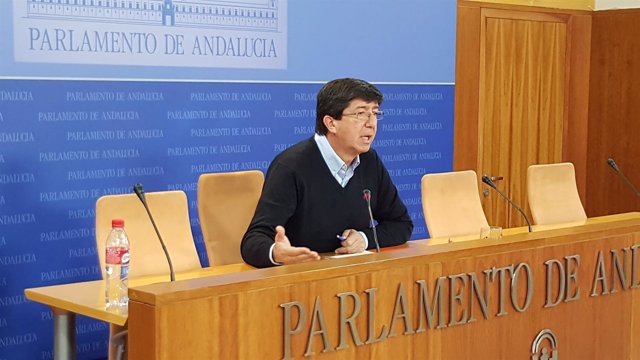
[254,15]
[545,346]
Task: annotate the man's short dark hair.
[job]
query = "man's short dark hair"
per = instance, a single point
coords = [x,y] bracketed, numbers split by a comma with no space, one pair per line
[335,96]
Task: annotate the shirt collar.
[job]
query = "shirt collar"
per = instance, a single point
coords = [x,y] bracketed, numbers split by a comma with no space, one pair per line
[334,162]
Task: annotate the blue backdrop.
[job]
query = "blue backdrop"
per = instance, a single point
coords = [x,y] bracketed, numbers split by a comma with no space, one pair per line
[75,126]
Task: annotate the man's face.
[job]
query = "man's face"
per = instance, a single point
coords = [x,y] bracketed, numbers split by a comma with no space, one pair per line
[354,133]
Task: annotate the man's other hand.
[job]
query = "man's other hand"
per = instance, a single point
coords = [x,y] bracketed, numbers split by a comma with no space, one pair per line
[284,253]
[353,242]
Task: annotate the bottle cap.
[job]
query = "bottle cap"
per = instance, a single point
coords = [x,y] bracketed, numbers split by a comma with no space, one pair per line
[117,223]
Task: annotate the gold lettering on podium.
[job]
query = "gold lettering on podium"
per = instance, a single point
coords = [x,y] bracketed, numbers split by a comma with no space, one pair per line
[515,278]
[572,263]
[600,277]
[455,299]
[619,269]
[401,310]
[567,275]
[287,330]
[550,265]
[371,311]
[635,282]
[622,261]
[426,309]
[318,318]
[483,301]
[501,282]
[451,300]
[344,320]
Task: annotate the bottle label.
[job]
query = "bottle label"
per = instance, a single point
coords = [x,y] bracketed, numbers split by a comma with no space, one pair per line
[124,272]
[125,258]
[117,256]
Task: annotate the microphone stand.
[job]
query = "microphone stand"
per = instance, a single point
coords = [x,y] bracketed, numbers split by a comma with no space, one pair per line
[137,188]
[615,167]
[487,180]
[366,194]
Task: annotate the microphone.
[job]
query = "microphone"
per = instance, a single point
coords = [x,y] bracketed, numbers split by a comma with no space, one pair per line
[487,180]
[366,195]
[615,167]
[137,188]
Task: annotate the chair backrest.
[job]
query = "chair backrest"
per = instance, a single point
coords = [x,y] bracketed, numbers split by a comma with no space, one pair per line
[553,194]
[171,214]
[226,204]
[451,204]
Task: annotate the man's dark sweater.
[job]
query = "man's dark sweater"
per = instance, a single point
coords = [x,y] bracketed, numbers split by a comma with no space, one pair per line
[301,194]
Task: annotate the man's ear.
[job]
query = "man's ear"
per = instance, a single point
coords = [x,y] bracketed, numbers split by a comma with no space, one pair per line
[330,123]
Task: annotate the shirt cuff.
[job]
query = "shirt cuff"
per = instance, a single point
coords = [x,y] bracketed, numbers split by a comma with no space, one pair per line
[271,254]
[366,241]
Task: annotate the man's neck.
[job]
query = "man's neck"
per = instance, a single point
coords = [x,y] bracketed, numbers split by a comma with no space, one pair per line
[348,159]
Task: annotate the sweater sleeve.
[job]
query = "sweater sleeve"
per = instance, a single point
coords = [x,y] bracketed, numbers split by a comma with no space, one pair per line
[276,205]
[394,223]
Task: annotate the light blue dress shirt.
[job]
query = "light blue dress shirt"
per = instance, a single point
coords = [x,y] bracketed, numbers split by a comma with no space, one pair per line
[339,169]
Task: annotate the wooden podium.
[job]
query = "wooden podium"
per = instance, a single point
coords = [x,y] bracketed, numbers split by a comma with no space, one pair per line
[567,292]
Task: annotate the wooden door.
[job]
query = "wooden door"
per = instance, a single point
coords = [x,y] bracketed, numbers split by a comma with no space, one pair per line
[521,103]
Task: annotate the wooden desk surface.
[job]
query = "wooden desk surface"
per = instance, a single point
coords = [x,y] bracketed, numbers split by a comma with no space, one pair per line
[87,298]
[152,293]
[535,228]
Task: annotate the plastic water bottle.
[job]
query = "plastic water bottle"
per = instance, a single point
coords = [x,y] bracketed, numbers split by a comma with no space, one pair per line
[117,268]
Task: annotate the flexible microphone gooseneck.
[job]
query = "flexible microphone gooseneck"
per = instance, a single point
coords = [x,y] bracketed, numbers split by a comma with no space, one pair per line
[615,167]
[366,195]
[487,180]
[137,188]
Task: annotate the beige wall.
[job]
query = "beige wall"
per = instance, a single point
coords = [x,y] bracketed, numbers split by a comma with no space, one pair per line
[617,4]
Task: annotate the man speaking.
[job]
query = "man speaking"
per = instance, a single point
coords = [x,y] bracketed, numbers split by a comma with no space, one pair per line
[312,200]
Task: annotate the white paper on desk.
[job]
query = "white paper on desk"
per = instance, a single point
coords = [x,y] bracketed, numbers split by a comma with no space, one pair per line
[337,256]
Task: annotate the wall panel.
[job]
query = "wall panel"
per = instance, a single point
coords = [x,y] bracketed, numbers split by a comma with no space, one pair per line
[614,111]
[529,83]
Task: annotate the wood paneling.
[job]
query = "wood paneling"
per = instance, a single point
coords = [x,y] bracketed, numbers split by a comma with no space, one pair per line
[465,139]
[241,316]
[142,322]
[522,94]
[521,102]
[598,100]
[577,98]
[614,111]
[556,4]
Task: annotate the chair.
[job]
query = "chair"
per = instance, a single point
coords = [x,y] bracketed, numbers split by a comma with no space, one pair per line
[226,204]
[553,194]
[171,213]
[451,204]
